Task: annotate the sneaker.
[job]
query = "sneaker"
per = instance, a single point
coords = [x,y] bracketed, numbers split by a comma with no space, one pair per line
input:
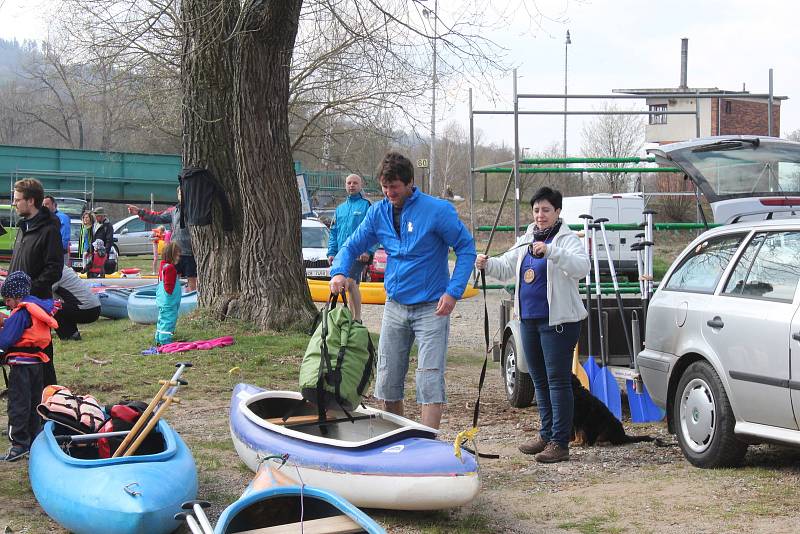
[553,453]
[15,453]
[75,337]
[534,446]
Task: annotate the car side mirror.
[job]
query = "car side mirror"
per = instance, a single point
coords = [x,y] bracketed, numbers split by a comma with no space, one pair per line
[124,231]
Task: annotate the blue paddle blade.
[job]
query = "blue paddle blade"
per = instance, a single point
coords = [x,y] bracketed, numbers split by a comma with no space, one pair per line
[605,388]
[643,409]
[592,369]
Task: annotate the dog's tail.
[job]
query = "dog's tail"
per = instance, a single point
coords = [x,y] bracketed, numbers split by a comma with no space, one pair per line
[638,439]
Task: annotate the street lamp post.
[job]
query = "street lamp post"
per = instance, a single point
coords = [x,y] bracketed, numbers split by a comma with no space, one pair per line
[432,171]
[567,42]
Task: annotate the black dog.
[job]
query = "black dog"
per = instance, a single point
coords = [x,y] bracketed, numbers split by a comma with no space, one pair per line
[593,422]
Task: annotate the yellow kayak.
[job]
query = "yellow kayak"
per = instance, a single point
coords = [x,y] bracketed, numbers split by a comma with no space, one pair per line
[371,292]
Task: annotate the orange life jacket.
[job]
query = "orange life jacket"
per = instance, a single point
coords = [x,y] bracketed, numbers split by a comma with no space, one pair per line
[35,338]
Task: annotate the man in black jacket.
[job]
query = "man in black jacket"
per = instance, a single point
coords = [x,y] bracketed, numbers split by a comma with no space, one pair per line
[37,249]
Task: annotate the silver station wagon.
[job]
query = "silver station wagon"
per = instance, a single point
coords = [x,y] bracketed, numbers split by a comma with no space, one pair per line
[722,342]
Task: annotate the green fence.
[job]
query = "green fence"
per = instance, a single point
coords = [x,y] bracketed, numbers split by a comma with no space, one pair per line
[121,176]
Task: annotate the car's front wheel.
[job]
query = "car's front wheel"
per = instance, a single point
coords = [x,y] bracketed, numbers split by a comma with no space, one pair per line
[519,386]
[704,419]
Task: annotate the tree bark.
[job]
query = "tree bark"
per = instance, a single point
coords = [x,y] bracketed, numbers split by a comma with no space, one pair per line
[208,99]
[273,282]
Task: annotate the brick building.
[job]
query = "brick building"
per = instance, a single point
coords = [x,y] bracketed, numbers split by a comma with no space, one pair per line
[739,113]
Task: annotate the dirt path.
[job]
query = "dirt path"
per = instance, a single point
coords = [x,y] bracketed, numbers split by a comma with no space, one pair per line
[641,487]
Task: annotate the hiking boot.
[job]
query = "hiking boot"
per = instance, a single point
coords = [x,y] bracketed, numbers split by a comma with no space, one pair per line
[553,453]
[534,446]
[15,453]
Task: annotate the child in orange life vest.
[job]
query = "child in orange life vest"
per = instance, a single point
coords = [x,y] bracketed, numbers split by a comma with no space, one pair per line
[168,294]
[25,334]
[158,245]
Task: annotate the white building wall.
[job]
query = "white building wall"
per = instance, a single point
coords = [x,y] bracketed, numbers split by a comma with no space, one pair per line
[679,127]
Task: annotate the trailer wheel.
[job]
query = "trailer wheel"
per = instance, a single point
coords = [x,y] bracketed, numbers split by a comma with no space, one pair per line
[519,386]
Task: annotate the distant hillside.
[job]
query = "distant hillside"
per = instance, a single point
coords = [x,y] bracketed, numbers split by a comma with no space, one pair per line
[12,54]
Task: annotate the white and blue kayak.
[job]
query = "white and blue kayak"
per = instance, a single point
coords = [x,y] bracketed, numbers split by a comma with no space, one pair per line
[273,502]
[375,460]
[142,307]
[138,494]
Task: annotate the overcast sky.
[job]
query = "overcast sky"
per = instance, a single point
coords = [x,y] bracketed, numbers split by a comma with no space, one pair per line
[615,44]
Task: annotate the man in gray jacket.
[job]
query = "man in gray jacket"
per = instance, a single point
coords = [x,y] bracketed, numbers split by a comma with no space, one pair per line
[79,304]
[186,266]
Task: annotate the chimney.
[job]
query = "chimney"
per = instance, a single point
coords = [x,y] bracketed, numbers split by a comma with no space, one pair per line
[684,61]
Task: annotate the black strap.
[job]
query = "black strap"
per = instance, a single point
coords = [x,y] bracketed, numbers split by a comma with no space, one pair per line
[477,411]
[368,369]
[24,350]
[5,375]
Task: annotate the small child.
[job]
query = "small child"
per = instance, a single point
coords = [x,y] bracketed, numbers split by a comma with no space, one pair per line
[158,244]
[97,264]
[25,333]
[168,294]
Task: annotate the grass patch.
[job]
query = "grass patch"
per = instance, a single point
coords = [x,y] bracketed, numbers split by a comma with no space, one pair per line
[595,524]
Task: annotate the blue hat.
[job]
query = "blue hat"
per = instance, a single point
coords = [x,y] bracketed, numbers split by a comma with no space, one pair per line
[16,286]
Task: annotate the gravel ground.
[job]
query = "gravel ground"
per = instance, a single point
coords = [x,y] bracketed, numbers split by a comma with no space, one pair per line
[641,487]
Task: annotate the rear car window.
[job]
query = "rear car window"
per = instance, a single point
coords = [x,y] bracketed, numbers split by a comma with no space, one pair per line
[769,267]
[701,270]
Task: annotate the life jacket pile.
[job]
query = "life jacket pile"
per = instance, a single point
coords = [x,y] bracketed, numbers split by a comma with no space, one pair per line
[79,413]
[123,416]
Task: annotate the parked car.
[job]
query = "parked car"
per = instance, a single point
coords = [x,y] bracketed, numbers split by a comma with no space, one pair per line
[133,236]
[315,248]
[377,267]
[722,338]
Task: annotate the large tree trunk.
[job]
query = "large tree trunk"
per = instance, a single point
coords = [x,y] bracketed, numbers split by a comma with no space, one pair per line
[274,293]
[207,73]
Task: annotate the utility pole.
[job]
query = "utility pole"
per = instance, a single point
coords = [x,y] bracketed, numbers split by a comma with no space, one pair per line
[432,170]
[567,42]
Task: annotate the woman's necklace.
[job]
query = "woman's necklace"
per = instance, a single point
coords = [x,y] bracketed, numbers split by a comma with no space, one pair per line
[530,275]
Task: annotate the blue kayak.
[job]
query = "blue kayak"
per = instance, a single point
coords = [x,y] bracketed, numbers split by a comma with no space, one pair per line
[142,307]
[138,494]
[295,508]
[113,301]
[377,460]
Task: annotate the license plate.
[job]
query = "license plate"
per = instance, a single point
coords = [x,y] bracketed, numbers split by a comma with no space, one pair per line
[318,272]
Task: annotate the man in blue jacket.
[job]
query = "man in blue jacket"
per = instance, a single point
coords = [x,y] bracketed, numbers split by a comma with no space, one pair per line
[51,204]
[346,219]
[417,231]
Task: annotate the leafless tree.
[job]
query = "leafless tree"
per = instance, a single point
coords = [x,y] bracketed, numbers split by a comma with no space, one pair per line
[259,79]
[613,136]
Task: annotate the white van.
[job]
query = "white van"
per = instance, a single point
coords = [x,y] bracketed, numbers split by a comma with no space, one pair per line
[624,208]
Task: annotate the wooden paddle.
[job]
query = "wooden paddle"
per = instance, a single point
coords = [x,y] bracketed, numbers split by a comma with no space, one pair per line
[167,386]
[578,370]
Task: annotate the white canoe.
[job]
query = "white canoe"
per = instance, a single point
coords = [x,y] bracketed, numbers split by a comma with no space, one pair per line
[379,460]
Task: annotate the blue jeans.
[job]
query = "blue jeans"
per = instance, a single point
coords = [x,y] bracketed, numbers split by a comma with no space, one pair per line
[401,326]
[548,353]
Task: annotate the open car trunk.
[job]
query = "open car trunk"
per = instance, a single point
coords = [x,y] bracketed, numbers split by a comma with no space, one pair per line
[743,177]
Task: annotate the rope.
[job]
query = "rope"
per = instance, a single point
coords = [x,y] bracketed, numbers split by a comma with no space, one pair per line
[467,436]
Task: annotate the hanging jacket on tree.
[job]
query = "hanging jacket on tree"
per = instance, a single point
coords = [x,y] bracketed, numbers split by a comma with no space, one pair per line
[199,188]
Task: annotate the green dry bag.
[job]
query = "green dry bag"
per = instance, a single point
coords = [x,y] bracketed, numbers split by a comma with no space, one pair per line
[340,360]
